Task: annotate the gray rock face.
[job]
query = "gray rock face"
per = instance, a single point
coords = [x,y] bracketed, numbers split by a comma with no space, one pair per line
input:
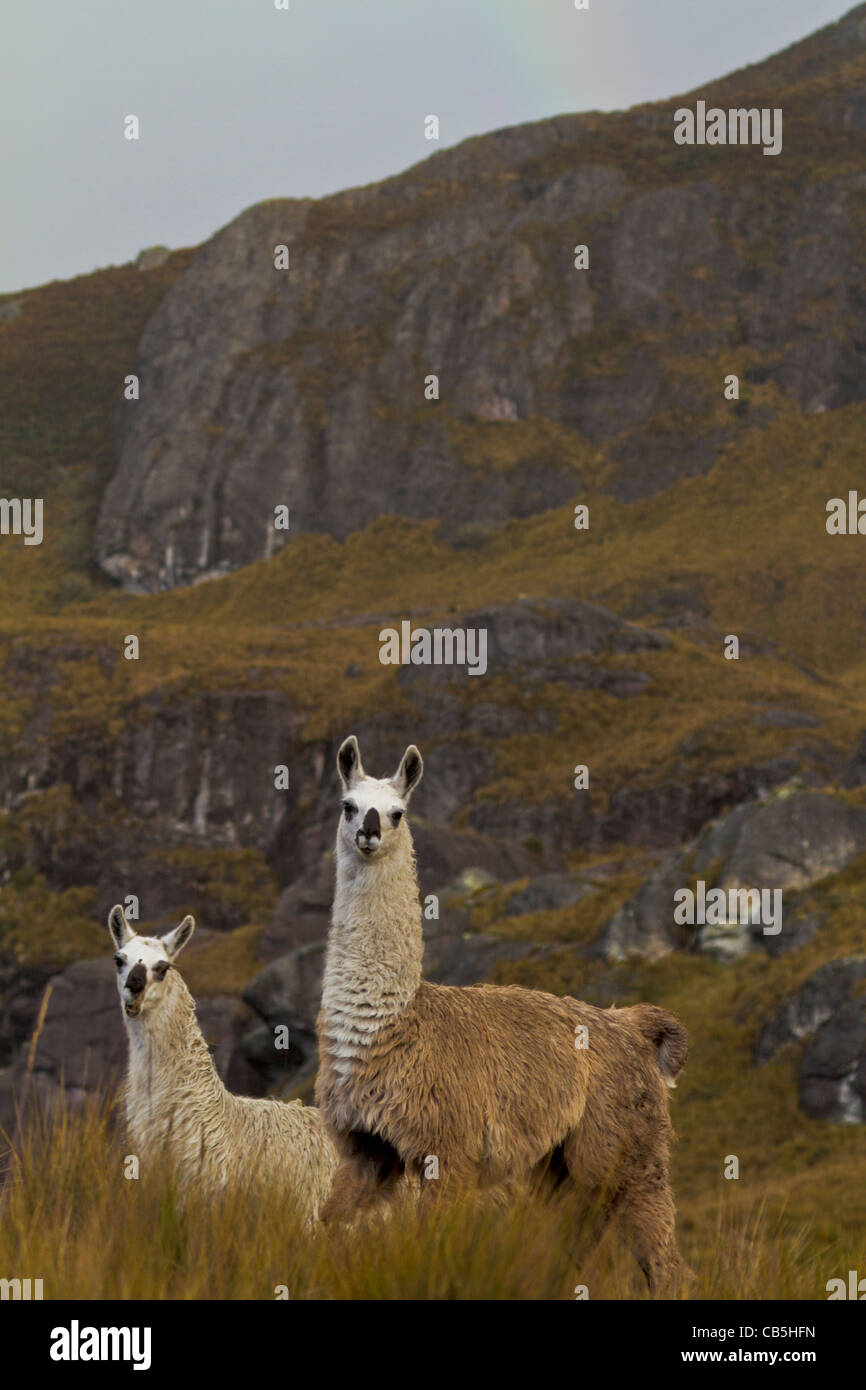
[290,989]
[829,1013]
[83,1047]
[645,924]
[546,893]
[83,1041]
[298,360]
[443,853]
[833,1071]
[10,310]
[152,257]
[785,843]
[207,766]
[543,636]
[676,811]
[815,1004]
[542,640]
[221,1020]
[305,386]
[303,911]
[20,995]
[854,774]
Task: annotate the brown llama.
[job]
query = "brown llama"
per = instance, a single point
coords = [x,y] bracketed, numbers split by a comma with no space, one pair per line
[497,1084]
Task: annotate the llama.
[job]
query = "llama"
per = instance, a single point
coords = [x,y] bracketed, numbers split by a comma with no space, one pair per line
[176,1104]
[501,1085]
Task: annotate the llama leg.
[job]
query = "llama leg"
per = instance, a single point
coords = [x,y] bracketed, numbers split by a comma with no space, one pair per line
[647,1220]
[453,1175]
[369,1171]
[355,1187]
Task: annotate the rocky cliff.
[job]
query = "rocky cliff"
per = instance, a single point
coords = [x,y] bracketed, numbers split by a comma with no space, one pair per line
[308,386]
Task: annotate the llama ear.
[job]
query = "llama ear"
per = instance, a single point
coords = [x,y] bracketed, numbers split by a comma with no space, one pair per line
[408,774]
[175,941]
[349,762]
[121,931]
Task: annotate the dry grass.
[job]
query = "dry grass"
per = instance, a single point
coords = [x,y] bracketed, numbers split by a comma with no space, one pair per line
[225,964]
[71,1218]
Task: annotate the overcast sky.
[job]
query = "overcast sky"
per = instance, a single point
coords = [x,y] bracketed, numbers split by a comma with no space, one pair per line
[239,102]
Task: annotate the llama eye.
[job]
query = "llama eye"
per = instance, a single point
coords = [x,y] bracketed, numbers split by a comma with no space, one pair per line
[119,962]
[160,969]
[349,809]
[396,817]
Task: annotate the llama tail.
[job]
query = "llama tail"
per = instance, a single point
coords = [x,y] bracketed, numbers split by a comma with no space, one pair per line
[667,1035]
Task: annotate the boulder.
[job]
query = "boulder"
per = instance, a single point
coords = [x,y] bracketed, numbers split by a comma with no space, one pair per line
[829,1012]
[152,258]
[833,1069]
[644,925]
[814,1004]
[221,1020]
[303,911]
[547,893]
[854,774]
[787,842]
[289,990]
[83,1042]
[443,854]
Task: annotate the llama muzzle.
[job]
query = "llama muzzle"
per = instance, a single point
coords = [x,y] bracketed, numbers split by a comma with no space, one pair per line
[134,986]
[369,835]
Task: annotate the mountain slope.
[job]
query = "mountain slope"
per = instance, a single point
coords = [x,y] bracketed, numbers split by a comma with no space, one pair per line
[308,387]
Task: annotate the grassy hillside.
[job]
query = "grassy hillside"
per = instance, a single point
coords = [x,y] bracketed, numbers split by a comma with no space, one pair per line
[744,550]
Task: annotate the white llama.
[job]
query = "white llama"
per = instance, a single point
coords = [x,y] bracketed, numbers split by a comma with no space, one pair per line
[177,1106]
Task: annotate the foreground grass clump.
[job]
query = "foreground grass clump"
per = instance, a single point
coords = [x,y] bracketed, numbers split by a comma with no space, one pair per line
[69,1216]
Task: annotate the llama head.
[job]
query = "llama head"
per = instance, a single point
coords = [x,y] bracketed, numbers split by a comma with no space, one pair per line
[143,962]
[373,822]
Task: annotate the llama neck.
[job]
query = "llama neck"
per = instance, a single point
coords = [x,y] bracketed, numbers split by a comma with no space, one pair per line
[168,1057]
[375,947]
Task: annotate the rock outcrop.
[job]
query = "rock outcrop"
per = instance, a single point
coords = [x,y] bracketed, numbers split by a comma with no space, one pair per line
[304,386]
[830,1014]
[784,843]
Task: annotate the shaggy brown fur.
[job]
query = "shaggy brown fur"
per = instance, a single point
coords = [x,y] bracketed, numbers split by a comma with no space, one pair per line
[490,1081]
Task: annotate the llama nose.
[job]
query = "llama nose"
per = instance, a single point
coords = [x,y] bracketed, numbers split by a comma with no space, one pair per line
[136,979]
[372,827]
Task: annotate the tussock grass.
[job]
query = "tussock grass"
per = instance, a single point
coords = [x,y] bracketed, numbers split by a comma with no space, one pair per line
[70,1217]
